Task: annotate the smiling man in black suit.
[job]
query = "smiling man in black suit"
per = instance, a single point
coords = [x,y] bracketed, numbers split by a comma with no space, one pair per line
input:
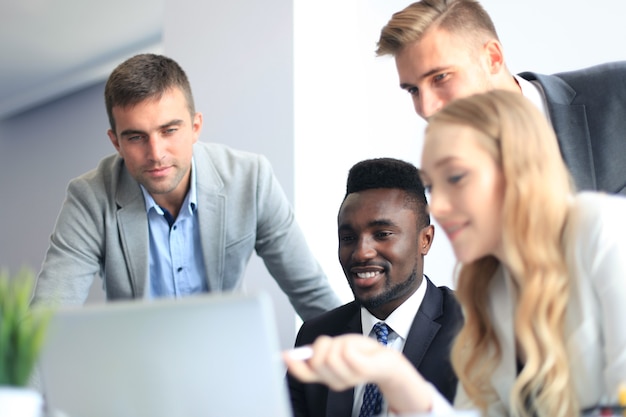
[384,233]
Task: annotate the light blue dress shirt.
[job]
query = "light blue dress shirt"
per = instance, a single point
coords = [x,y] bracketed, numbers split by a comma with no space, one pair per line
[176,262]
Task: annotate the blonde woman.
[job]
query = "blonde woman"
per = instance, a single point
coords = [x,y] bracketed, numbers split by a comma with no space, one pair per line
[541,276]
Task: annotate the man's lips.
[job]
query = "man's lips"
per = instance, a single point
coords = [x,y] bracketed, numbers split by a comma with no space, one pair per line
[365,277]
[158,172]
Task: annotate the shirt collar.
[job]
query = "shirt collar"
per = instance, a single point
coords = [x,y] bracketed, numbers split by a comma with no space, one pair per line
[191,200]
[401,319]
[534,92]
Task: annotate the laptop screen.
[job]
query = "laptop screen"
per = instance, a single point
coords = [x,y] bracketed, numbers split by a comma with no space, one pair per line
[211,355]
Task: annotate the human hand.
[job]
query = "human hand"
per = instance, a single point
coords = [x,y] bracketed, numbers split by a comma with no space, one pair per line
[345,361]
[342,362]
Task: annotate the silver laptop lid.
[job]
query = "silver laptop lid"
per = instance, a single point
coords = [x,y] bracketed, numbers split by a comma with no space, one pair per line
[214,355]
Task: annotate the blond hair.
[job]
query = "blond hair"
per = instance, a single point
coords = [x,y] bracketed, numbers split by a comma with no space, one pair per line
[465,17]
[538,188]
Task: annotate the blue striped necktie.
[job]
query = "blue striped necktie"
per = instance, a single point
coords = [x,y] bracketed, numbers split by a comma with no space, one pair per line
[372,398]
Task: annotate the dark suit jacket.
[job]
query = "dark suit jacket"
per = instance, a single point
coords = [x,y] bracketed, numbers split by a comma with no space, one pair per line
[427,347]
[588,112]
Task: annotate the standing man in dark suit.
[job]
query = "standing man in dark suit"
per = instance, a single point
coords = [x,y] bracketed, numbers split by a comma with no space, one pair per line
[448,49]
[384,232]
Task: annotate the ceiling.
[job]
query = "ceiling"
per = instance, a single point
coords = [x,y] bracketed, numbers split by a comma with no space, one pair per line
[49,48]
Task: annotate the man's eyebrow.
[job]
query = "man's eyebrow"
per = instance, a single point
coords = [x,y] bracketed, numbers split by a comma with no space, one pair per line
[435,71]
[345,227]
[131,132]
[430,73]
[175,122]
[381,222]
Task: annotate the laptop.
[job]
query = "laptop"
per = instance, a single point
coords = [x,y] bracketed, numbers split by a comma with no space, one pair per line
[211,355]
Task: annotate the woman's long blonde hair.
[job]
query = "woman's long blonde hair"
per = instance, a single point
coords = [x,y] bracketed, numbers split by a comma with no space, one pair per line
[537,192]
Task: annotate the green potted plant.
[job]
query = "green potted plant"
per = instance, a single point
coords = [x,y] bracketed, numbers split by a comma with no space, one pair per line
[22,333]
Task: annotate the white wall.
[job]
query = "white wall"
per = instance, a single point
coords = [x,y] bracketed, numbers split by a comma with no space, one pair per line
[40,151]
[348,108]
[559,35]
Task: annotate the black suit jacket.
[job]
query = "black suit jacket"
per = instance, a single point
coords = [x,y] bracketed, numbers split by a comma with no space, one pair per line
[588,113]
[427,347]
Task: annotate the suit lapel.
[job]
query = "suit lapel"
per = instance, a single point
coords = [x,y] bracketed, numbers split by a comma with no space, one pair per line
[339,404]
[211,216]
[132,223]
[570,124]
[424,328]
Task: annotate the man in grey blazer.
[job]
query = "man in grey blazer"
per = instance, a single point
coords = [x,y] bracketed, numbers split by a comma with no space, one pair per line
[169,216]
[384,233]
[447,49]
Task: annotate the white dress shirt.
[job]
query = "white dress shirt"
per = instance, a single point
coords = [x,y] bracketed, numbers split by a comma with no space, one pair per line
[533,91]
[399,322]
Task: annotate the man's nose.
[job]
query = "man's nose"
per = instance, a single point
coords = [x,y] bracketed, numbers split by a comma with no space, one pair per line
[427,104]
[155,148]
[364,249]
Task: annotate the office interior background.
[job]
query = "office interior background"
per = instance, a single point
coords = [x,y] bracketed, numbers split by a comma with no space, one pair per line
[295,80]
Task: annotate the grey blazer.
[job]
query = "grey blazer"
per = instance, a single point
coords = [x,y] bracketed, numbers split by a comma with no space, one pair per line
[588,112]
[427,347]
[103,229]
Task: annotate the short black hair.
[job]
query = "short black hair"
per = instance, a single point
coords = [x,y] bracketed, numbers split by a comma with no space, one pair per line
[390,173]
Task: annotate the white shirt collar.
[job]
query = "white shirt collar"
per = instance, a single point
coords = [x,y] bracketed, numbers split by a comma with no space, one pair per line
[534,92]
[401,318]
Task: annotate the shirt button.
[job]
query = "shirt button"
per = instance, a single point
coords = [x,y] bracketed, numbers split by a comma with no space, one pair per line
[179,269]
